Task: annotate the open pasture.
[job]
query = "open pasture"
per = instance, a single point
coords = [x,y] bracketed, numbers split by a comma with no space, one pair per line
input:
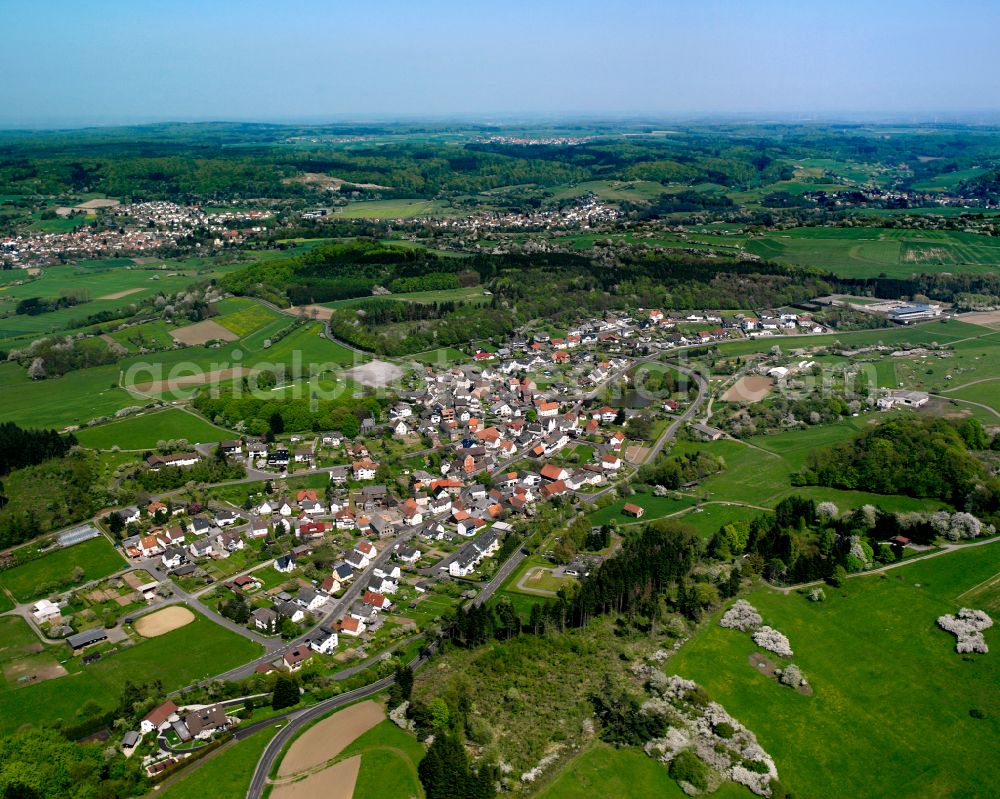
[626,773]
[143,431]
[110,287]
[148,335]
[395,209]
[890,697]
[57,402]
[34,579]
[868,252]
[178,658]
[655,507]
[758,471]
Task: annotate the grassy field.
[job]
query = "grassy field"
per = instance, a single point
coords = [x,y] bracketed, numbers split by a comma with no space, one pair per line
[60,401]
[868,252]
[623,774]
[655,507]
[151,335]
[96,557]
[101,280]
[143,431]
[197,650]
[394,209]
[243,317]
[443,356]
[889,716]
[389,759]
[223,775]
[943,332]
[707,519]
[758,471]
[470,294]
[312,348]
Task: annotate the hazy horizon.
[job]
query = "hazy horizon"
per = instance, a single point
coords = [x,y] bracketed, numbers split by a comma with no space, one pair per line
[310,62]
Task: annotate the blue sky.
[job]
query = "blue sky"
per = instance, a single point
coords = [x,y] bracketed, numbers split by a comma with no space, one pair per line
[143,60]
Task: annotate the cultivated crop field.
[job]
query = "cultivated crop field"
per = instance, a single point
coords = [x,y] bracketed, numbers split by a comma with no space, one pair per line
[889,714]
[243,317]
[143,431]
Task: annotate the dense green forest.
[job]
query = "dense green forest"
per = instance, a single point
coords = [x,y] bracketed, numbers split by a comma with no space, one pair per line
[918,457]
[20,448]
[231,160]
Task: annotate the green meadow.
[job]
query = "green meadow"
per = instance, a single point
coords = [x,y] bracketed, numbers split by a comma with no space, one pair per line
[889,715]
[226,774]
[395,209]
[143,431]
[868,252]
[389,760]
[758,471]
[74,398]
[625,773]
[96,557]
[655,507]
[178,658]
[101,281]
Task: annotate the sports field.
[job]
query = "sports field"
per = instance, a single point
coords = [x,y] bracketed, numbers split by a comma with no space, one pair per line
[145,430]
[890,711]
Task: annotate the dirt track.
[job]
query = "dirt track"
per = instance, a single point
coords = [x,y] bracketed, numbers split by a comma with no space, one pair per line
[163,621]
[119,294]
[326,739]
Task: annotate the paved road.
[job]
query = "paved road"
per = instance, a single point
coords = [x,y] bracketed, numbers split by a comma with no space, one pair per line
[356,588]
[667,434]
[506,569]
[300,719]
